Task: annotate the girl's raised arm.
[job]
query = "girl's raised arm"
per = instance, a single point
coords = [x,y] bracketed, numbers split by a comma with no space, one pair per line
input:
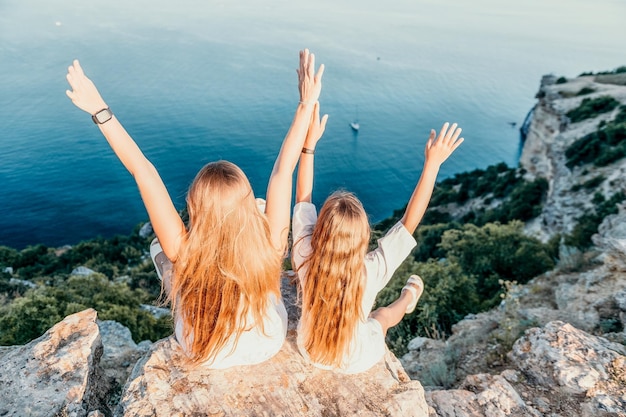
[278,205]
[304,183]
[436,152]
[165,220]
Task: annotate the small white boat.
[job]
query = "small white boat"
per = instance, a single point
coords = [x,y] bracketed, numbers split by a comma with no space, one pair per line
[355,126]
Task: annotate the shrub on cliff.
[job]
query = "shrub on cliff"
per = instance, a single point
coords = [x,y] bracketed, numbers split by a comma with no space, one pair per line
[602,147]
[589,108]
[585,90]
[523,203]
[587,224]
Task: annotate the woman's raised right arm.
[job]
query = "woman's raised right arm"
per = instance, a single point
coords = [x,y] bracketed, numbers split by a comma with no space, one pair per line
[279,188]
[164,217]
[438,149]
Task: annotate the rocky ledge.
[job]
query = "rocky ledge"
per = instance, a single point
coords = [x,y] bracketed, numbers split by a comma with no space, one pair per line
[78,367]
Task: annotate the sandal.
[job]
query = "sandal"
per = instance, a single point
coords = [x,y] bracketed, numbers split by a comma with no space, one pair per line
[161,263]
[416,281]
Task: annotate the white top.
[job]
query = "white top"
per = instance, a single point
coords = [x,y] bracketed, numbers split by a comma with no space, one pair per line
[368,344]
[254,345]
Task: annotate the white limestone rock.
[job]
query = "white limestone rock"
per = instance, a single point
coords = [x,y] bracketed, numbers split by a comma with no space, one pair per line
[56,374]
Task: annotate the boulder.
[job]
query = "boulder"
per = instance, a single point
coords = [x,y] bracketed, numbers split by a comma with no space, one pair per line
[56,374]
[481,395]
[161,384]
[571,361]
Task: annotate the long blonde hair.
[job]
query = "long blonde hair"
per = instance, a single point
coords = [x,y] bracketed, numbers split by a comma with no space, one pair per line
[334,284]
[226,266]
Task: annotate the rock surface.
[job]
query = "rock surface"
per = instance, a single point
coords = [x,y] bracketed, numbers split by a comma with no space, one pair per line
[161,385]
[56,374]
[559,371]
[572,361]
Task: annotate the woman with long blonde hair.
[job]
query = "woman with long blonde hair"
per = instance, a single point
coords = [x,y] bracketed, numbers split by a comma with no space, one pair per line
[224,282]
[339,278]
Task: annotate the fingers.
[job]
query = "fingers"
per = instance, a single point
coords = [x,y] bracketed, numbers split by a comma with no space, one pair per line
[431,138]
[307,66]
[69,94]
[311,65]
[448,134]
[78,68]
[303,60]
[442,132]
[323,123]
[457,144]
[319,74]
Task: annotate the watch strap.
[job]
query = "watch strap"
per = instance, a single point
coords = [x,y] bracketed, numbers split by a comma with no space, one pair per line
[97,117]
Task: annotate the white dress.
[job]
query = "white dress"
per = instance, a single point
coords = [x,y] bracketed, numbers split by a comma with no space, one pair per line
[368,344]
[254,346]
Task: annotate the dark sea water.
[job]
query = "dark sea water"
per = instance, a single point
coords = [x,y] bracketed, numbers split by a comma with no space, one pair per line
[195,81]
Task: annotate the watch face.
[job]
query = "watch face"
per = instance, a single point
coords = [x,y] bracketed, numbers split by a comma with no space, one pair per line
[103,116]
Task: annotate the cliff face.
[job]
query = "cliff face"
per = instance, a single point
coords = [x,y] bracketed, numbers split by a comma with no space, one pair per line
[549,134]
[555,346]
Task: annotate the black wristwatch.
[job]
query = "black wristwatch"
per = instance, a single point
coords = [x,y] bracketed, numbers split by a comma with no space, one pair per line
[102,116]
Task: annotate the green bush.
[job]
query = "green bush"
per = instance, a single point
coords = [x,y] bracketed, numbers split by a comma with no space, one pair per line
[589,108]
[35,261]
[587,224]
[524,203]
[590,183]
[8,257]
[561,80]
[428,239]
[617,70]
[585,90]
[602,147]
[440,305]
[30,316]
[496,252]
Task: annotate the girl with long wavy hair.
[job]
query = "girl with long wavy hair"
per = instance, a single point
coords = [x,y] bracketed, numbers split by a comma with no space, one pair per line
[339,279]
[224,282]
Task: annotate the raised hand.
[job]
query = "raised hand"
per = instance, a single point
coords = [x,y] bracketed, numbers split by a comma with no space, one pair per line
[438,150]
[84,93]
[316,127]
[309,83]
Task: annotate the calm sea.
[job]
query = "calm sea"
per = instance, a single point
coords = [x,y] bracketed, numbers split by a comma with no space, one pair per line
[199,80]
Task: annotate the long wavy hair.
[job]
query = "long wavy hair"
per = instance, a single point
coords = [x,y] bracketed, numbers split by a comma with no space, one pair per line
[226,266]
[334,284]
